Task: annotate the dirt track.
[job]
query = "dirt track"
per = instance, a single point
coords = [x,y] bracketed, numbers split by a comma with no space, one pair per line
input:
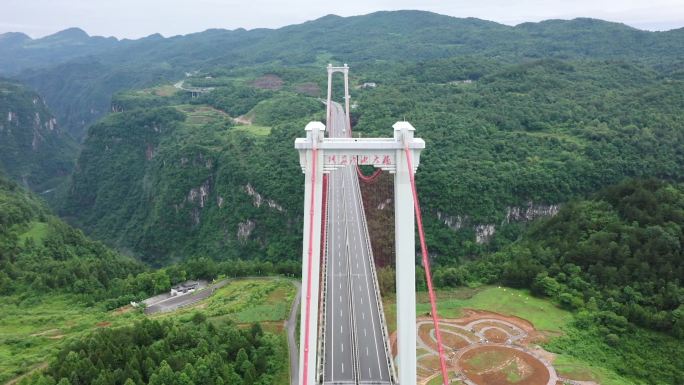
[513,366]
[484,348]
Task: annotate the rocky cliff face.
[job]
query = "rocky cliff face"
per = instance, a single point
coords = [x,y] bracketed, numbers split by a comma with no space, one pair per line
[149,181]
[34,149]
[485,231]
[530,212]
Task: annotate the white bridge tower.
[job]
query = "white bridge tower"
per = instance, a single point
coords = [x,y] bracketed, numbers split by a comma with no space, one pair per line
[319,155]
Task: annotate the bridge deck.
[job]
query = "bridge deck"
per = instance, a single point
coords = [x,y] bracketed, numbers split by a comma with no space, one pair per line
[355,347]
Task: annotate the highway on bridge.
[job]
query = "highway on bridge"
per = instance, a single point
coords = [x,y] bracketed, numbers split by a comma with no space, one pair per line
[356,350]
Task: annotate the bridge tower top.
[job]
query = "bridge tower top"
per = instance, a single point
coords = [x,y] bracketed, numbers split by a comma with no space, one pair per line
[345,71]
[332,69]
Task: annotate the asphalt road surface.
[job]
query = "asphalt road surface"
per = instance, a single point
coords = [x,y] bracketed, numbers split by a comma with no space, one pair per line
[355,350]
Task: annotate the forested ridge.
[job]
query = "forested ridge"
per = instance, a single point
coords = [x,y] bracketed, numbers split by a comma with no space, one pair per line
[618,252]
[40,253]
[537,133]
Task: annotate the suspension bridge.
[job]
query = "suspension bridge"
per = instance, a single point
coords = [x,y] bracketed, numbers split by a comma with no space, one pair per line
[343,337]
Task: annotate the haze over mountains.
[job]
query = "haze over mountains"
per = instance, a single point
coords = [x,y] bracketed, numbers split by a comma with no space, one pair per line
[77,74]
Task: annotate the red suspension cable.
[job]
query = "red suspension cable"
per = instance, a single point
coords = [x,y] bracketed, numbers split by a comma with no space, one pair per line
[370,178]
[307,322]
[365,178]
[426,264]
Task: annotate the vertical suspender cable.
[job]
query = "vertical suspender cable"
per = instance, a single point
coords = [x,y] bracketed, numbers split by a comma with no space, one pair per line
[426,264]
[307,322]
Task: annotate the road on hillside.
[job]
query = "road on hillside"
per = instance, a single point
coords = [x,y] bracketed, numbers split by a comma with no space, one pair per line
[355,348]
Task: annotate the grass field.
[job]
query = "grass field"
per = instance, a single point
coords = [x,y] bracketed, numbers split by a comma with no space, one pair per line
[571,367]
[198,115]
[247,301]
[37,231]
[543,314]
[254,130]
[34,329]
[165,90]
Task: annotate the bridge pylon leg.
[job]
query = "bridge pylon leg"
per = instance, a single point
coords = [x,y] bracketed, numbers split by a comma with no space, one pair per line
[346,94]
[311,250]
[329,102]
[404,225]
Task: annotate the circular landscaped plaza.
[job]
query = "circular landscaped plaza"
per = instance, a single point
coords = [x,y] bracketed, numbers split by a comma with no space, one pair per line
[484,348]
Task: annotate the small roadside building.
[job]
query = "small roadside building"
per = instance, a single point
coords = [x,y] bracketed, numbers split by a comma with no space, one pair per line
[184,288]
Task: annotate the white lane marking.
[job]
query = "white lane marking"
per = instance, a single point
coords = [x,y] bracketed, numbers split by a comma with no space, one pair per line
[364,332]
[343,367]
[369,373]
[366,350]
[343,347]
[363,315]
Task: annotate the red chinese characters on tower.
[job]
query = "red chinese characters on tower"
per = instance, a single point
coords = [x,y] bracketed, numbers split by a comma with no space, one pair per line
[353,159]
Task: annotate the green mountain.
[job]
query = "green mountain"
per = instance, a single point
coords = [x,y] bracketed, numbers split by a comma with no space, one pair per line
[506,144]
[40,253]
[18,51]
[181,180]
[618,251]
[34,148]
[78,74]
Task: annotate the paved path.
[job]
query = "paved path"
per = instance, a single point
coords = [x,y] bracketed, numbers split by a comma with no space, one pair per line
[291,326]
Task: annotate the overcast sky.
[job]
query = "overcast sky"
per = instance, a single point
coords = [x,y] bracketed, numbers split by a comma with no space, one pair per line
[137,18]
